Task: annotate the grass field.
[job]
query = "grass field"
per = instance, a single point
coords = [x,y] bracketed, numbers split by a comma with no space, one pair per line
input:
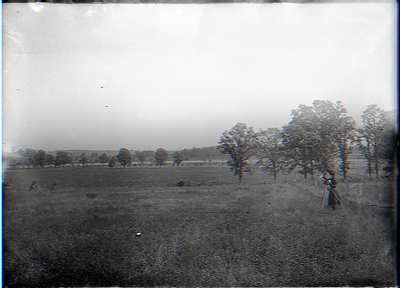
[213,233]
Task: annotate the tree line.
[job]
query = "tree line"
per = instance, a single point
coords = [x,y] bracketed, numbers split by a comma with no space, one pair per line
[315,138]
[124,157]
[312,142]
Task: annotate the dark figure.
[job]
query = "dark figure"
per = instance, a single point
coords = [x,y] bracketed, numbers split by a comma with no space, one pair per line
[34,186]
[333,197]
[180,184]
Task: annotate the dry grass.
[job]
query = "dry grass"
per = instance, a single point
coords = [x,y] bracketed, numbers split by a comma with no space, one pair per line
[204,235]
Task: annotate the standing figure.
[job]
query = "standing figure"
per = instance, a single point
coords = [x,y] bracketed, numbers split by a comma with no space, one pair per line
[332,197]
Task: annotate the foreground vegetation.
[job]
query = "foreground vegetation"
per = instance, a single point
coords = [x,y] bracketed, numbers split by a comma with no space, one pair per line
[213,233]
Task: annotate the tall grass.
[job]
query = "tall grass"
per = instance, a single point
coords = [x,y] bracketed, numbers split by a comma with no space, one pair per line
[207,235]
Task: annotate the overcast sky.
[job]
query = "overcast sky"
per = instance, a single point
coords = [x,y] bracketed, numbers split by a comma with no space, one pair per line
[145,76]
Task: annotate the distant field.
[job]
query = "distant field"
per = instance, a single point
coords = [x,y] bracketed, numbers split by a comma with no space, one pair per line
[213,233]
[133,177]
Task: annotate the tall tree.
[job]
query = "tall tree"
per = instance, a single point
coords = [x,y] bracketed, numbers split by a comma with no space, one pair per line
[160,157]
[270,151]
[336,129]
[178,159]
[390,140]
[313,139]
[317,134]
[50,159]
[41,158]
[238,144]
[300,140]
[32,157]
[125,157]
[343,136]
[376,138]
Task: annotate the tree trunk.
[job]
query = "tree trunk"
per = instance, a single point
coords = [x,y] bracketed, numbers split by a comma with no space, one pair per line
[370,169]
[376,168]
[274,169]
[344,171]
[240,174]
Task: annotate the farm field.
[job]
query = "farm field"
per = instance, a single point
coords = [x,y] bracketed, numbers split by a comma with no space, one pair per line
[212,233]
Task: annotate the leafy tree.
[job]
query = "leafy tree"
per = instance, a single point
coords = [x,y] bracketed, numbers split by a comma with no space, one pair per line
[317,134]
[125,157]
[113,162]
[84,159]
[50,159]
[160,157]
[238,143]
[178,159]
[336,130]
[62,158]
[376,138]
[300,140]
[363,143]
[32,157]
[270,151]
[103,158]
[41,158]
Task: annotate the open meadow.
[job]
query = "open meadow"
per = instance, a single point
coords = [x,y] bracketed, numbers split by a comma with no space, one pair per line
[212,232]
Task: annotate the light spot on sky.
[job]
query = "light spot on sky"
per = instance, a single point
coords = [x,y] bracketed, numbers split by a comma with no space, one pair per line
[36,6]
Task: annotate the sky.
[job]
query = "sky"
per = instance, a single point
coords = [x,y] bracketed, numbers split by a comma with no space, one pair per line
[144,76]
